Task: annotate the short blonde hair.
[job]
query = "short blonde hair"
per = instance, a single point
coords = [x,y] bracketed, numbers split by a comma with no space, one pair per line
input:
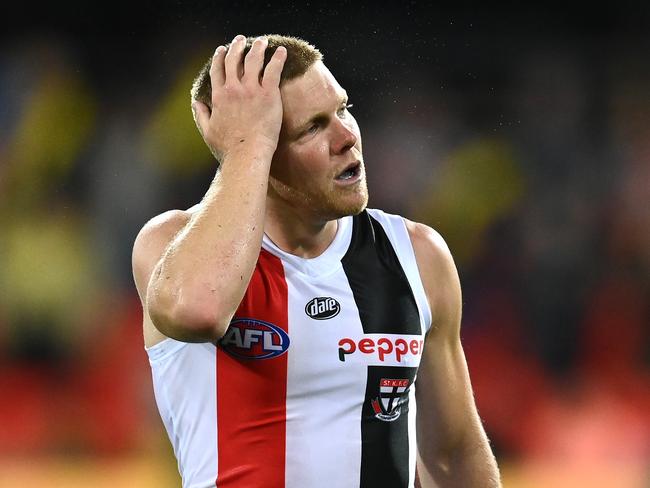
[300,57]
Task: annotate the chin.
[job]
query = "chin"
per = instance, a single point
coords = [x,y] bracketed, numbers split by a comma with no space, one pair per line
[346,207]
[357,209]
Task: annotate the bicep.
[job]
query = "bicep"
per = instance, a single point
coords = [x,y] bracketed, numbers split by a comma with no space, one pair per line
[443,389]
[444,397]
[445,403]
[148,248]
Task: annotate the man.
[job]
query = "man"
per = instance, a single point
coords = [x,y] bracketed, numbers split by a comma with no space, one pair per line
[284,323]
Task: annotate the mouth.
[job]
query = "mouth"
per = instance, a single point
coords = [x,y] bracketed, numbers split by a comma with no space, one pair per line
[351,173]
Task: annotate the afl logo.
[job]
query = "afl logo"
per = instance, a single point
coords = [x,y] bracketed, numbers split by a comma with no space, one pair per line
[322,308]
[254,339]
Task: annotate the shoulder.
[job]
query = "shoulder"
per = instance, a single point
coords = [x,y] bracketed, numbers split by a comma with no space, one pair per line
[159,229]
[428,242]
[437,271]
[431,251]
[152,240]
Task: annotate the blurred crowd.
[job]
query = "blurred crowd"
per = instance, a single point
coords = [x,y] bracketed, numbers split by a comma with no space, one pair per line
[534,168]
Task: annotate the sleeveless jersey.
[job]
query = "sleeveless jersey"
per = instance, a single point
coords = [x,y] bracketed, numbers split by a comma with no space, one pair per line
[313,384]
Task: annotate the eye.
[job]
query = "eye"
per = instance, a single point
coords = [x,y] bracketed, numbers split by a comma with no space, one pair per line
[345,108]
[312,129]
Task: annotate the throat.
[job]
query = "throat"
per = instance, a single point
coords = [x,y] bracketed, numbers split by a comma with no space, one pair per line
[300,240]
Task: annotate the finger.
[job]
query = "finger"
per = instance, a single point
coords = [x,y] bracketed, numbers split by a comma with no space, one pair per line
[254,60]
[274,68]
[233,61]
[201,116]
[217,73]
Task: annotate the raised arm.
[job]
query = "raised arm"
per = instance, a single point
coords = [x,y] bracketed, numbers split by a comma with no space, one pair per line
[453,448]
[194,283]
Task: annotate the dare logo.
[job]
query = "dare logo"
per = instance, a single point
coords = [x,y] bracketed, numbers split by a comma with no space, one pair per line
[254,339]
[322,308]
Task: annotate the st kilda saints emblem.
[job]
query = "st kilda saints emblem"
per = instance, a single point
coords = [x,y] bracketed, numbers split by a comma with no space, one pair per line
[392,393]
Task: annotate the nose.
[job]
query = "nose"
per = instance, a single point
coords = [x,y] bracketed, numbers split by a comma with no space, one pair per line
[344,139]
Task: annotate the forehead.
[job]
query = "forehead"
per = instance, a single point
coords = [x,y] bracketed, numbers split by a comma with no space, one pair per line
[315,91]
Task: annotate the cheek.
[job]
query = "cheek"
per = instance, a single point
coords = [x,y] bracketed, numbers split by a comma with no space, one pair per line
[291,167]
[299,165]
[313,159]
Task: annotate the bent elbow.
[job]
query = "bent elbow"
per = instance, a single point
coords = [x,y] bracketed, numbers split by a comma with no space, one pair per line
[197,324]
[188,322]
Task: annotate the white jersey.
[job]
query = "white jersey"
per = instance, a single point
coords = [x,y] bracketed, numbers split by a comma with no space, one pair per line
[313,384]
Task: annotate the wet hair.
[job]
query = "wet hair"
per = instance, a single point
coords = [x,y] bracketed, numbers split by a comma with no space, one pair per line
[300,57]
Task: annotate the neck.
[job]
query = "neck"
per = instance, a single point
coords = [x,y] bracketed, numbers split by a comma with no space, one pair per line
[296,233]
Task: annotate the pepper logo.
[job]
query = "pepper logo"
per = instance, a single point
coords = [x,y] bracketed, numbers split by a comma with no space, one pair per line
[322,308]
[254,339]
[383,348]
[392,393]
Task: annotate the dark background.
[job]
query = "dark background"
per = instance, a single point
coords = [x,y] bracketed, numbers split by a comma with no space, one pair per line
[521,133]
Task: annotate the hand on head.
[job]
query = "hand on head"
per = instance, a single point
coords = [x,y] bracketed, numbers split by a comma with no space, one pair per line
[246,104]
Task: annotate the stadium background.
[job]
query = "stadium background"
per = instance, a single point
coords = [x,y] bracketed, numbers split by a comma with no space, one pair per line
[521,133]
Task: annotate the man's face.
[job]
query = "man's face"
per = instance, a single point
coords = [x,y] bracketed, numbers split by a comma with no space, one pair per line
[318,165]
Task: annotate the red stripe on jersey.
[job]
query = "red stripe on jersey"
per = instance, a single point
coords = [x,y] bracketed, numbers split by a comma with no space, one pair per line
[251,393]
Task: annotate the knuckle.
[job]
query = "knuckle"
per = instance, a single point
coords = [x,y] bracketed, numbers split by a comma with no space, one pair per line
[231,90]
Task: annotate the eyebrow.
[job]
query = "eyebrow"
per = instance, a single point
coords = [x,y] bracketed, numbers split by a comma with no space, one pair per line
[319,117]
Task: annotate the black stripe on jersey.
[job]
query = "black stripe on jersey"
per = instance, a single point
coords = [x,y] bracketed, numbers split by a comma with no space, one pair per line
[385,442]
[379,285]
[386,305]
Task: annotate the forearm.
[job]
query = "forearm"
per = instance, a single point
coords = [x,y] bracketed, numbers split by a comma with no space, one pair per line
[202,276]
[469,464]
[198,283]
[452,442]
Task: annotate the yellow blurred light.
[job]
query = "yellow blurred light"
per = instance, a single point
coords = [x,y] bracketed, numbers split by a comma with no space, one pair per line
[55,124]
[171,139]
[479,183]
